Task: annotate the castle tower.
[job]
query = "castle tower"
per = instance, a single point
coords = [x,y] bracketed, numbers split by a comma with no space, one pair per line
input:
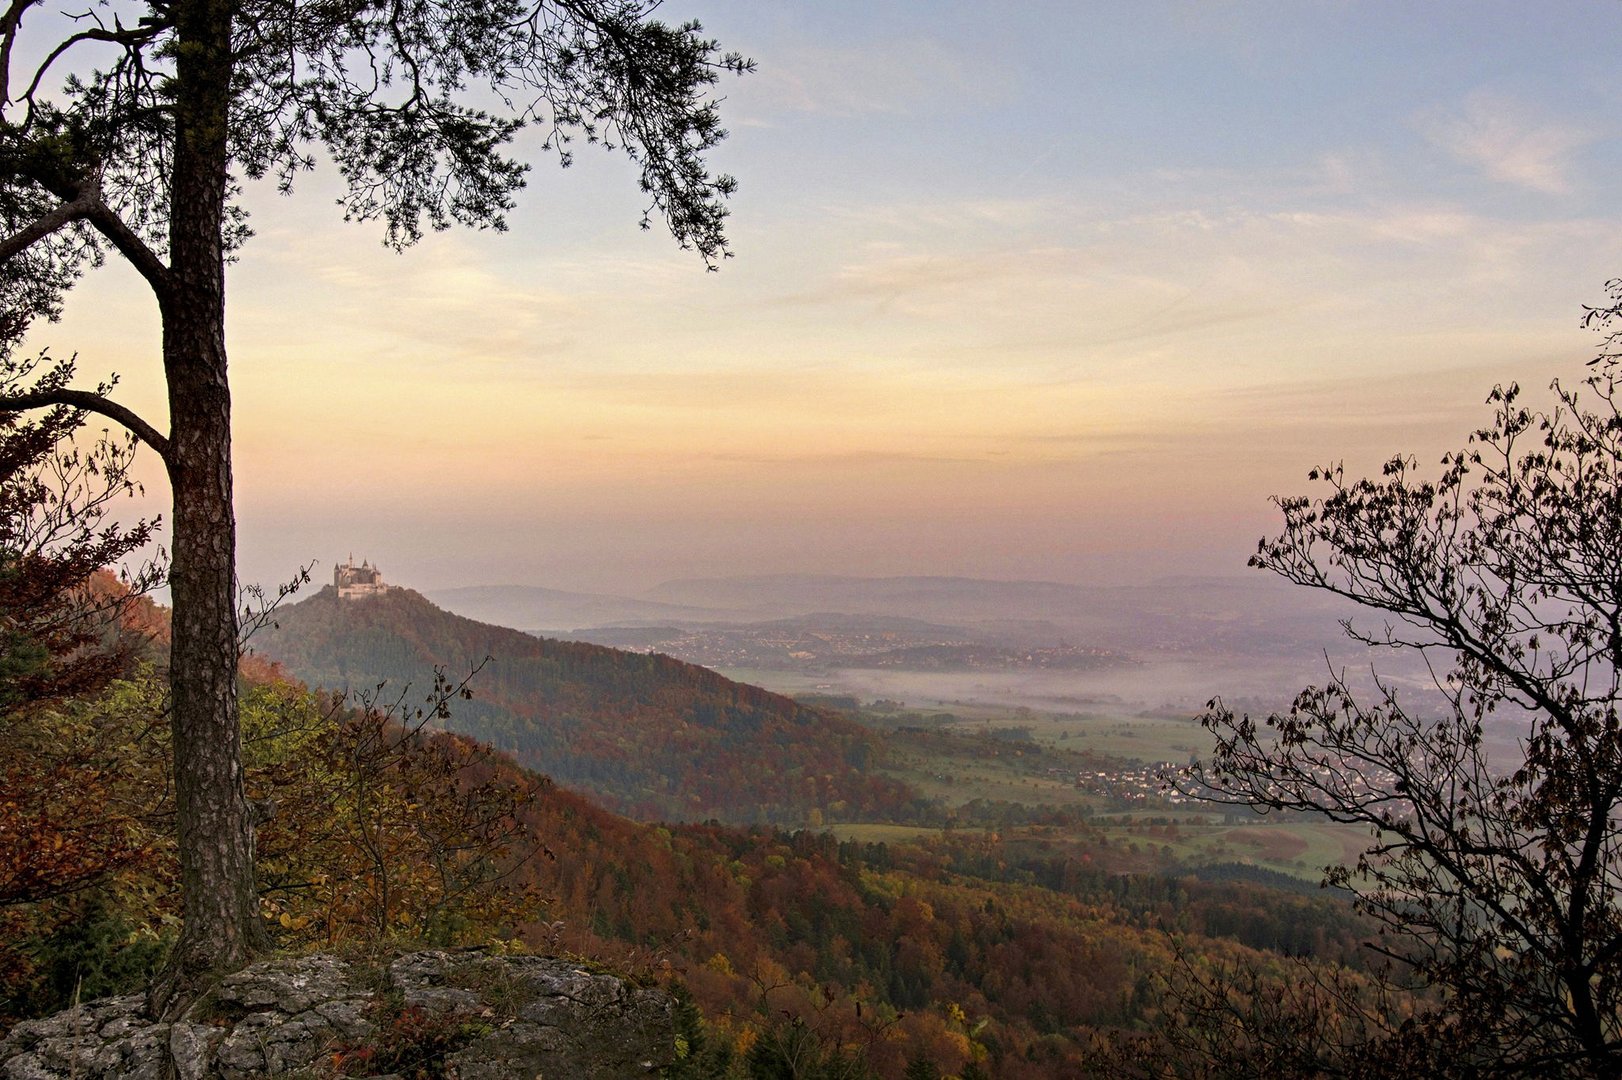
[354,582]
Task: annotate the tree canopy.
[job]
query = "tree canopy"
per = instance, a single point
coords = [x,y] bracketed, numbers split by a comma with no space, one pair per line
[1493,873]
[57,487]
[416,104]
[130,128]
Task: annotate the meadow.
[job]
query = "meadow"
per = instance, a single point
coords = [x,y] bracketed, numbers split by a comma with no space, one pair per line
[1084,777]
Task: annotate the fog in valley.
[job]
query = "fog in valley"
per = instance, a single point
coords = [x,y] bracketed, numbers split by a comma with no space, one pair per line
[1165,648]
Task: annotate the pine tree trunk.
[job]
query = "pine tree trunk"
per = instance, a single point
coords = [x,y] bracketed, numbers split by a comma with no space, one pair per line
[221,927]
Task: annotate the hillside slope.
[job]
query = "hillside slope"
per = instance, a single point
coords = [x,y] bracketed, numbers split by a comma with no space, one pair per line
[1015,953]
[649,736]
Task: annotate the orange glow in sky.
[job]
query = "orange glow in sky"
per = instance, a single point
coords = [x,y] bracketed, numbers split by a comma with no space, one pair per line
[1062,295]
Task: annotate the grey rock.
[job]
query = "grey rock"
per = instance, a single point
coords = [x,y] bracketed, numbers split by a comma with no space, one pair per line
[431,980]
[563,1021]
[288,987]
[492,1017]
[192,1048]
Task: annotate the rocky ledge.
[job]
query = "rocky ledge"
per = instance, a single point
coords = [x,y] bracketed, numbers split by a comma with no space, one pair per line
[462,1015]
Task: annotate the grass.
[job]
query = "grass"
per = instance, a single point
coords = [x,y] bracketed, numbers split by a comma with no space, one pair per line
[1300,848]
[1145,739]
[957,769]
[878,833]
[963,752]
[957,762]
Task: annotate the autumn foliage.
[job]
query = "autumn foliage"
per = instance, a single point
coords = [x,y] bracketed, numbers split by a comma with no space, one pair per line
[647,735]
[385,831]
[64,621]
[381,832]
[970,953]
[792,954]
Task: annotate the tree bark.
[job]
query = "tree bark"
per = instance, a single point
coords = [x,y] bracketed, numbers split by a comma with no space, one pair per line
[221,927]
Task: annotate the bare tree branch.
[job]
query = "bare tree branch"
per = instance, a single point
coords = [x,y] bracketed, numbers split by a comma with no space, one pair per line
[90,402]
[131,246]
[1496,883]
[132,40]
[60,216]
[83,201]
[8,37]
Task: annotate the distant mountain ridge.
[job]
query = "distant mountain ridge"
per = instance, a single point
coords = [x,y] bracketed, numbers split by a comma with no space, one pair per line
[648,735]
[1243,614]
[532,607]
[1251,614]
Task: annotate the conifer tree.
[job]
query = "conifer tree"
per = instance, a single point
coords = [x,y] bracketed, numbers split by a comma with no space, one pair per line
[133,136]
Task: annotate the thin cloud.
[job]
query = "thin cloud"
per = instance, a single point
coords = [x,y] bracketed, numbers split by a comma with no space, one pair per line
[1503,140]
[859,458]
[894,77]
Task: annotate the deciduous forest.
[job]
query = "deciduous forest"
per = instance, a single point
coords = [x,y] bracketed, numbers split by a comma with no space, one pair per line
[1044,300]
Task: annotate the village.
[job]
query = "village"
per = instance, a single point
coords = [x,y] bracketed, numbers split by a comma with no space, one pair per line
[796,647]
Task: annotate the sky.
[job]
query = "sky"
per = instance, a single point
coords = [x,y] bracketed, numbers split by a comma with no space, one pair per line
[1061,291]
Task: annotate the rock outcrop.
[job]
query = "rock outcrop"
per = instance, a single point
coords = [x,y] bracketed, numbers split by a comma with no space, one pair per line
[464,1015]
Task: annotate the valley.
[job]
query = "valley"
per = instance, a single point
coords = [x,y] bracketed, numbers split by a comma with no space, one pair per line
[1047,541]
[977,869]
[998,720]
[923,728]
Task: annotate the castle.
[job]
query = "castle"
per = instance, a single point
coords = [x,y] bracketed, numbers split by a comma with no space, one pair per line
[353,581]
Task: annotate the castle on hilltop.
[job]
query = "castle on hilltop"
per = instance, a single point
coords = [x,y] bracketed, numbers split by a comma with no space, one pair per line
[353,581]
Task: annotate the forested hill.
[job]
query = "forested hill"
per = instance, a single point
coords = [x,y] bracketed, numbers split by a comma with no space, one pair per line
[647,735]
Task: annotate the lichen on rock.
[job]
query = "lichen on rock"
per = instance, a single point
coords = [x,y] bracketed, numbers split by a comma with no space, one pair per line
[461,1015]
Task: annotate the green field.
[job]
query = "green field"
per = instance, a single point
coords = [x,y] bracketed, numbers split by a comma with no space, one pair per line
[1141,737]
[871,833]
[1031,759]
[1130,738]
[957,767]
[1299,847]
[958,761]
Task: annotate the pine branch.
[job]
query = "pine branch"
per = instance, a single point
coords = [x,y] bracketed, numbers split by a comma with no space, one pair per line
[90,402]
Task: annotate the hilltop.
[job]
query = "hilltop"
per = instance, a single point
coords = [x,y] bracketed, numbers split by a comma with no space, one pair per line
[647,735]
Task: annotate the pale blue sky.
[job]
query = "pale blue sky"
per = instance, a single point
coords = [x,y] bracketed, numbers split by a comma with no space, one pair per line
[1021,290]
